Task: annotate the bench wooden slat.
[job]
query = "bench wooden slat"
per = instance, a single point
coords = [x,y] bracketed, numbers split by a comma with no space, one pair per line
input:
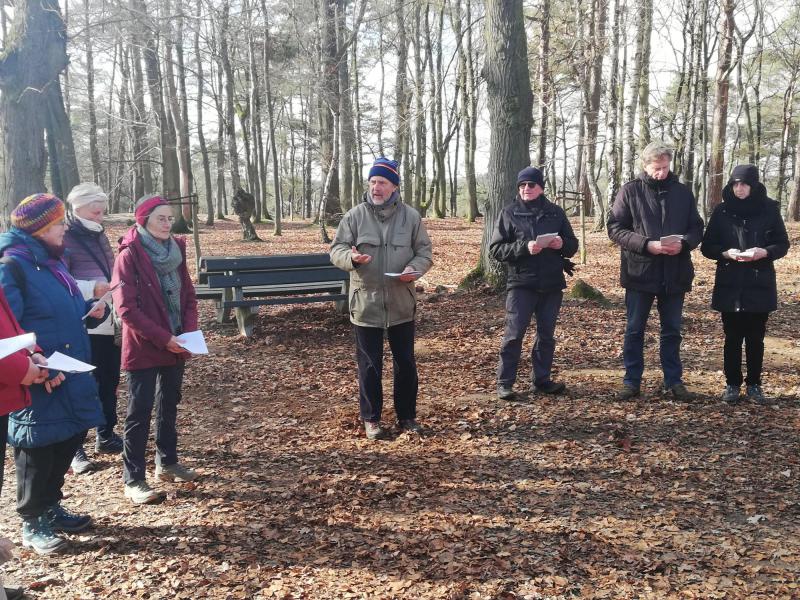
[280,277]
[276,301]
[205,293]
[265,262]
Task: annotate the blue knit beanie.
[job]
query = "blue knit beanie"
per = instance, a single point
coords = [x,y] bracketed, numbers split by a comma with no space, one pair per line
[386,168]
[530,174]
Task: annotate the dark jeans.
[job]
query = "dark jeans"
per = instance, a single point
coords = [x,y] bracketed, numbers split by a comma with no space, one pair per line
[159,386]
[670,313]
[40,474]
[521,306]
[749,328]
[106,359]
[369,356]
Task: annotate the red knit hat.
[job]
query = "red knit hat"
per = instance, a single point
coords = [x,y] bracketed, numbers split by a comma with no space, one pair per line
[147,204]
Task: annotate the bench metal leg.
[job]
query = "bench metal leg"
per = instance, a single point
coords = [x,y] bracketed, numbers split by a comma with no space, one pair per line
[245,318]
[343,306]
[224,314]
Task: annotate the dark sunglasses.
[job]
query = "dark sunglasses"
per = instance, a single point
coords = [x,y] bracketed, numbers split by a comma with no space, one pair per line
[528,184]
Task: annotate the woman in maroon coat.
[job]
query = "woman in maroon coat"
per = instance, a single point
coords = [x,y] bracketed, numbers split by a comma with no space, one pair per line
[156,304]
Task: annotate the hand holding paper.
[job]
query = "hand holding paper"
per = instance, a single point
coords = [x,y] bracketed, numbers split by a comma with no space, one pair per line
[194,342]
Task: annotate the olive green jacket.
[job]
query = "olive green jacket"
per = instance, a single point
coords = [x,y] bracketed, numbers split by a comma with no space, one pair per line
[398,241]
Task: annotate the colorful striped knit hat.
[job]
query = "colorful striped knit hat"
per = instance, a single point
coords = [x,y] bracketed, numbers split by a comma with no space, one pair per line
[387,168]
[36,213]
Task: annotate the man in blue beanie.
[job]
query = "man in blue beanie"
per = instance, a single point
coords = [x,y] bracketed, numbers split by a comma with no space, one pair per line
[533,237]
[385,247]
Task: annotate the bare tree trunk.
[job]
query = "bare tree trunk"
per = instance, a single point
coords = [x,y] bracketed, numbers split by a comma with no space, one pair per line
[720,119]
[793,210]
[201,138]
[271,115]
[402,104]
[640,71]
[788,104]
[612,112]
[510,103]
[346,133]
[644,75]
[597,35]
[94,153]
[545,89]
[141,144]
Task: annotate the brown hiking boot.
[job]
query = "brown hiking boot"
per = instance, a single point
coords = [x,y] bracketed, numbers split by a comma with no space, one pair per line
[627,393]
[679,393]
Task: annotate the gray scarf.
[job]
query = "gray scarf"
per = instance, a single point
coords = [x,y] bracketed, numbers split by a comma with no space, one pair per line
[385,210]
[166,258]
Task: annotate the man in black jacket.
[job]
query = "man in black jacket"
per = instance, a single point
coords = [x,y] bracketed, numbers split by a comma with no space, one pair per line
[533,236]
[656,224]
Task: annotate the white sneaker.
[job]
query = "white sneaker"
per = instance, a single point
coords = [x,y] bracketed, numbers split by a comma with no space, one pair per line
[176,472]
[139,492]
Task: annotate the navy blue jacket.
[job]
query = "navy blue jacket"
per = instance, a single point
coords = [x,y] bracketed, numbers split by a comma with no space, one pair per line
[643,212]
[745,286]
[45,306]
[516,226]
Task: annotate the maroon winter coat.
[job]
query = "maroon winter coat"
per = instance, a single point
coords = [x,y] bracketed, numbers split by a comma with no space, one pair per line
[14,367]
[139,303]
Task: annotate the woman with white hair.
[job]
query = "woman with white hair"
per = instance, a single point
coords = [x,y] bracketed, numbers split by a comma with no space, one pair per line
[91,262]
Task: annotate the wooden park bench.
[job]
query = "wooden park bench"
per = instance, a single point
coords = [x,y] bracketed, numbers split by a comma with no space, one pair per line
[243,283]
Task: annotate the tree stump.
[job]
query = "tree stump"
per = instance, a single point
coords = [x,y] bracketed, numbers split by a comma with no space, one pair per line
[244,206]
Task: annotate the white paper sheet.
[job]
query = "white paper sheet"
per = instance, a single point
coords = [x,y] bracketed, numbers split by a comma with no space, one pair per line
[671,239]
[395,275]
[67,364]
[544,240]
[105,298]
[745,253]
[19,342]
[194,342]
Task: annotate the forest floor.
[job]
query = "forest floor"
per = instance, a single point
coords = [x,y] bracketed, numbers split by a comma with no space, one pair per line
[575,496]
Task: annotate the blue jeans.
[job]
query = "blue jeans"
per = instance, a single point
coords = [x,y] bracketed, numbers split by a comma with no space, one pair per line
[521,306]
[670,313]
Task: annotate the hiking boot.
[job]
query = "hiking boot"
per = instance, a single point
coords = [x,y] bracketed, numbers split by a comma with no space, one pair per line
[14,593]
[139,492]
[754,394]
[81,463]
[375,431]
[109,445]
[506,392]
[627,393]
[550,387]
[60,519]
[409,425]
[731,394]
[39,536]
[679,393]
[176,472]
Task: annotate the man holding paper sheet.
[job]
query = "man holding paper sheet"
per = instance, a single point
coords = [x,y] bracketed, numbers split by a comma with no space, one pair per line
[384,245]
[745,235]
[533,237]
[45,435]
[655,222]
[156,304]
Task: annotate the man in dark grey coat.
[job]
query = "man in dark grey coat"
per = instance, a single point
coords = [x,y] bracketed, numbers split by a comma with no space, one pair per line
[533,237]
[655,222]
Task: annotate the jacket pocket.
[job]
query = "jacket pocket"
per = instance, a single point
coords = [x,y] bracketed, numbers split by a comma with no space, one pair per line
[640,268]
[366,306]
[400,251]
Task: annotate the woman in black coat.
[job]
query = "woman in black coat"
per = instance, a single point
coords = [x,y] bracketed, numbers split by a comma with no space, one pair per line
[745,235]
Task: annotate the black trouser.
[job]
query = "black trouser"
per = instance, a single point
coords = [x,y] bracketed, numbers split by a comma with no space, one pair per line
[521,306]
[749,328]
[159,386]
[40,474]
[106,359]
[369,355]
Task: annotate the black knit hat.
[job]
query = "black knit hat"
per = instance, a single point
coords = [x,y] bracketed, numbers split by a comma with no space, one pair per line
[530,174]
[745,173]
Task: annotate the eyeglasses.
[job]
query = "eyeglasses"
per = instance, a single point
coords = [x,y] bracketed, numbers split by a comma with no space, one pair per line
[164,220]
[528,184]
